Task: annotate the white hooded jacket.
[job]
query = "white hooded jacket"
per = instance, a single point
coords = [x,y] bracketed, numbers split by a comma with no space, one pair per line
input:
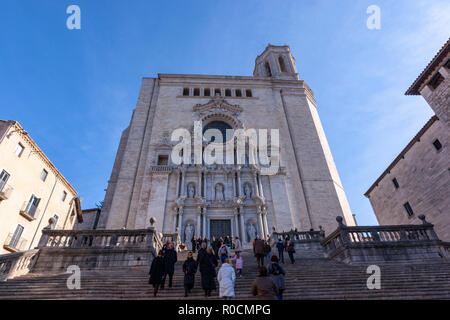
[226,278]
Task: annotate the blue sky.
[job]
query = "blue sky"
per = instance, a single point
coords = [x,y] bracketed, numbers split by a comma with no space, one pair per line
[74,90]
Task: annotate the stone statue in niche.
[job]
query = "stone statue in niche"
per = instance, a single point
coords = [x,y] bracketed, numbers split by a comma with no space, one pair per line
[251,232]
[219,192]
[191,191]
[248,191]
[188,235]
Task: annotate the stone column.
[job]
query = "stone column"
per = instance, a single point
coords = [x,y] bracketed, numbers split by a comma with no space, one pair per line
[260,186]
[178,175]
[198,192]
[204,222]
[243,235]
[199,217]
[233,185]
[260,222]
[266,226]
[175,220]
[236,223]
[183,181]
[255,183]
[239,183]
[180,220]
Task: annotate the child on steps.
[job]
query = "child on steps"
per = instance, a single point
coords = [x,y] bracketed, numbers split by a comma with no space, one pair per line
[239,263]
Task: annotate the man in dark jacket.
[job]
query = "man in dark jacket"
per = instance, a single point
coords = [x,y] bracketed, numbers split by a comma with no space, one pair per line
[280,247]
[156,272]
[170,258]
[189,270]
[259,251]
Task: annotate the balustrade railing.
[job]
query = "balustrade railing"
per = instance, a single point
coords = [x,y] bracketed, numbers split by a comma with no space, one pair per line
[376,235]
[77,239]
[15,264]
[173,238]
[299,235]
[162,168]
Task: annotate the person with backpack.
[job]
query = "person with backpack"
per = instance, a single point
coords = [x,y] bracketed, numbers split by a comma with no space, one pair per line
[291,251]
[224,252]
[189,270]
[280,247]
[258,250]
[263,286]
[277,273]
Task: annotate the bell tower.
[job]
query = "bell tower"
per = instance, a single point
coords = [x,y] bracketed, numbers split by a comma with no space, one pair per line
[276,62]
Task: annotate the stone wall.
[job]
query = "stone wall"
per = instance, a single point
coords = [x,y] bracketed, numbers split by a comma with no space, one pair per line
[424,182]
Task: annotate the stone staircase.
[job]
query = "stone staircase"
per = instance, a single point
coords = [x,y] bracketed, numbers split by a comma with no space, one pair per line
[308,278]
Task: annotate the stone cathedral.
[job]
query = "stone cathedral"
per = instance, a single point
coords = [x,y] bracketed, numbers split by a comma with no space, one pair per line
[221,199]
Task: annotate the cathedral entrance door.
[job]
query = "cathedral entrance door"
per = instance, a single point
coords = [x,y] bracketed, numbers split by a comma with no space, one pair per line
[220,228]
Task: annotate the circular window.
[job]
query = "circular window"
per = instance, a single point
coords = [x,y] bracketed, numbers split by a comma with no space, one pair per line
[218,125]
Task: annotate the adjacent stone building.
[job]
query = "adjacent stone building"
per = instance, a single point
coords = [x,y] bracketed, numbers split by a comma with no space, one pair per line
[216,200]
[418,180]
[32,191]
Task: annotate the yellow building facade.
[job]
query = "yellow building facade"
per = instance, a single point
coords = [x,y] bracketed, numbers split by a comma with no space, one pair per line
[32,191]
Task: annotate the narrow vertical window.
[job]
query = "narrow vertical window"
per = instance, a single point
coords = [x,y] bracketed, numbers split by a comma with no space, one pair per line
[185,91]
[19,149]
[16,236]
[4,176]
[248,93]
[64,196]
[44,175]
[228,92]
[238,93]
[207,92]
[32,205]
[281,62]
[196,92]
[268,71]
[409,210]
[437,144]
[395,182]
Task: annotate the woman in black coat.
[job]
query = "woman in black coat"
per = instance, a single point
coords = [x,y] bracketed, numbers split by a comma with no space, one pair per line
[208,264]
[156,272]
[189,270]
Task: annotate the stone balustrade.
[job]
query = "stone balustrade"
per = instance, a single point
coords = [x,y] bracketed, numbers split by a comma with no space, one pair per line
[142,238]
[384,243]
[299,235]
[162,169]
[96,249]
[172,237]
[16,264]
[306,243]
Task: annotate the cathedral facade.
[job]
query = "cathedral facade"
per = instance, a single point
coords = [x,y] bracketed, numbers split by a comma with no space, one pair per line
[217,199]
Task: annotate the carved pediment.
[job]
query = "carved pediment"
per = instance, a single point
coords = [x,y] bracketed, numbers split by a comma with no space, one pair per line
[218,104]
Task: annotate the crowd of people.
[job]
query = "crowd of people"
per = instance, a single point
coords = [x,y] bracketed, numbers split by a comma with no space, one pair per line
[269,283]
